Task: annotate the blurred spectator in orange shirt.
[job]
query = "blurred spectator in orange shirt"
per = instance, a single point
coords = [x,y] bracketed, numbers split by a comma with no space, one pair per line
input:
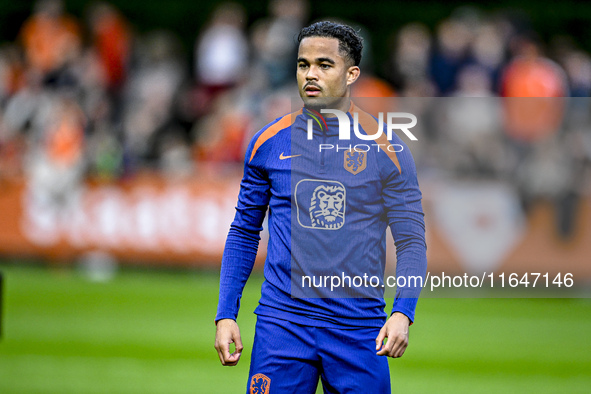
[50,37]
[56,159]
[372,86]
[111,39]
[65,135]
[532,75]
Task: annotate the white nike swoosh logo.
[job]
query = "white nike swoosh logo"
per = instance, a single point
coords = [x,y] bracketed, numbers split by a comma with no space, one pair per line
[281,157]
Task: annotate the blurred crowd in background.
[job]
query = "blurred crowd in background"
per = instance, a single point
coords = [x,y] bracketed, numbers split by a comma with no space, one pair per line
[90,96]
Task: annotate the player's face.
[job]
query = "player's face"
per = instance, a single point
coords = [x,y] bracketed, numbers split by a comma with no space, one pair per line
[323,74]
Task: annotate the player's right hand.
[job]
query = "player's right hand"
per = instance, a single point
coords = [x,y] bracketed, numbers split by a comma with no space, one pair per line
[227,332]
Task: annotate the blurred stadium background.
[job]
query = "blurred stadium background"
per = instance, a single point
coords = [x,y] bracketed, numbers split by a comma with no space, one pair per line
[123,126]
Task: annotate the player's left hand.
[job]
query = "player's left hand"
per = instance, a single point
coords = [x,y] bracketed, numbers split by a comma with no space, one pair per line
[396,330]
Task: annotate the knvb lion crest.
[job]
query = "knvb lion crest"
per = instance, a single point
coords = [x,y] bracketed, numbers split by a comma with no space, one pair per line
[321,204]
[260,384]
[355,161]
[327,207]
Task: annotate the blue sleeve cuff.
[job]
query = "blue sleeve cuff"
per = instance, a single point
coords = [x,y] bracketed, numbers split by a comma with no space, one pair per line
[406,306]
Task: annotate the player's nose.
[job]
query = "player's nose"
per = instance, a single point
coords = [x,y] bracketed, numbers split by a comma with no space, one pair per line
[312,74]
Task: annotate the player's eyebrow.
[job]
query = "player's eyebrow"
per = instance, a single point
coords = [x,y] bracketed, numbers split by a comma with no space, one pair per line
[325,60]
[318,60]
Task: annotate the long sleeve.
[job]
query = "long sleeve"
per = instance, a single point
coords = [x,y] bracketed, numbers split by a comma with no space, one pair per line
[243,238]
[402,197]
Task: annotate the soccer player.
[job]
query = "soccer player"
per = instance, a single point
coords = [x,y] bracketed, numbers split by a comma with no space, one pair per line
[328,213]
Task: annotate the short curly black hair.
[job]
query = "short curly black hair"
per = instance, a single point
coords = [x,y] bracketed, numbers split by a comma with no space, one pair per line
[350,42]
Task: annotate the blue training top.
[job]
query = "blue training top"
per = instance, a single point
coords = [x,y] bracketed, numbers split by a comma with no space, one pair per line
[329,207]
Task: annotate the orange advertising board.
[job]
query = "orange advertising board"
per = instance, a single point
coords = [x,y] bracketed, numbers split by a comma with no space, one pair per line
[147,219]
[154,220]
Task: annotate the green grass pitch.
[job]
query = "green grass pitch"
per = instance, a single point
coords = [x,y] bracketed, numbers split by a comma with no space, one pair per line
[151,331]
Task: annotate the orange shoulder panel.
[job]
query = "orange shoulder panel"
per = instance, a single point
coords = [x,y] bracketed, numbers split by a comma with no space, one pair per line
[369,124]
[272,130]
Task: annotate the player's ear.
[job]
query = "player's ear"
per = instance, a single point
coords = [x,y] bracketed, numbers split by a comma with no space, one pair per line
[352,74]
